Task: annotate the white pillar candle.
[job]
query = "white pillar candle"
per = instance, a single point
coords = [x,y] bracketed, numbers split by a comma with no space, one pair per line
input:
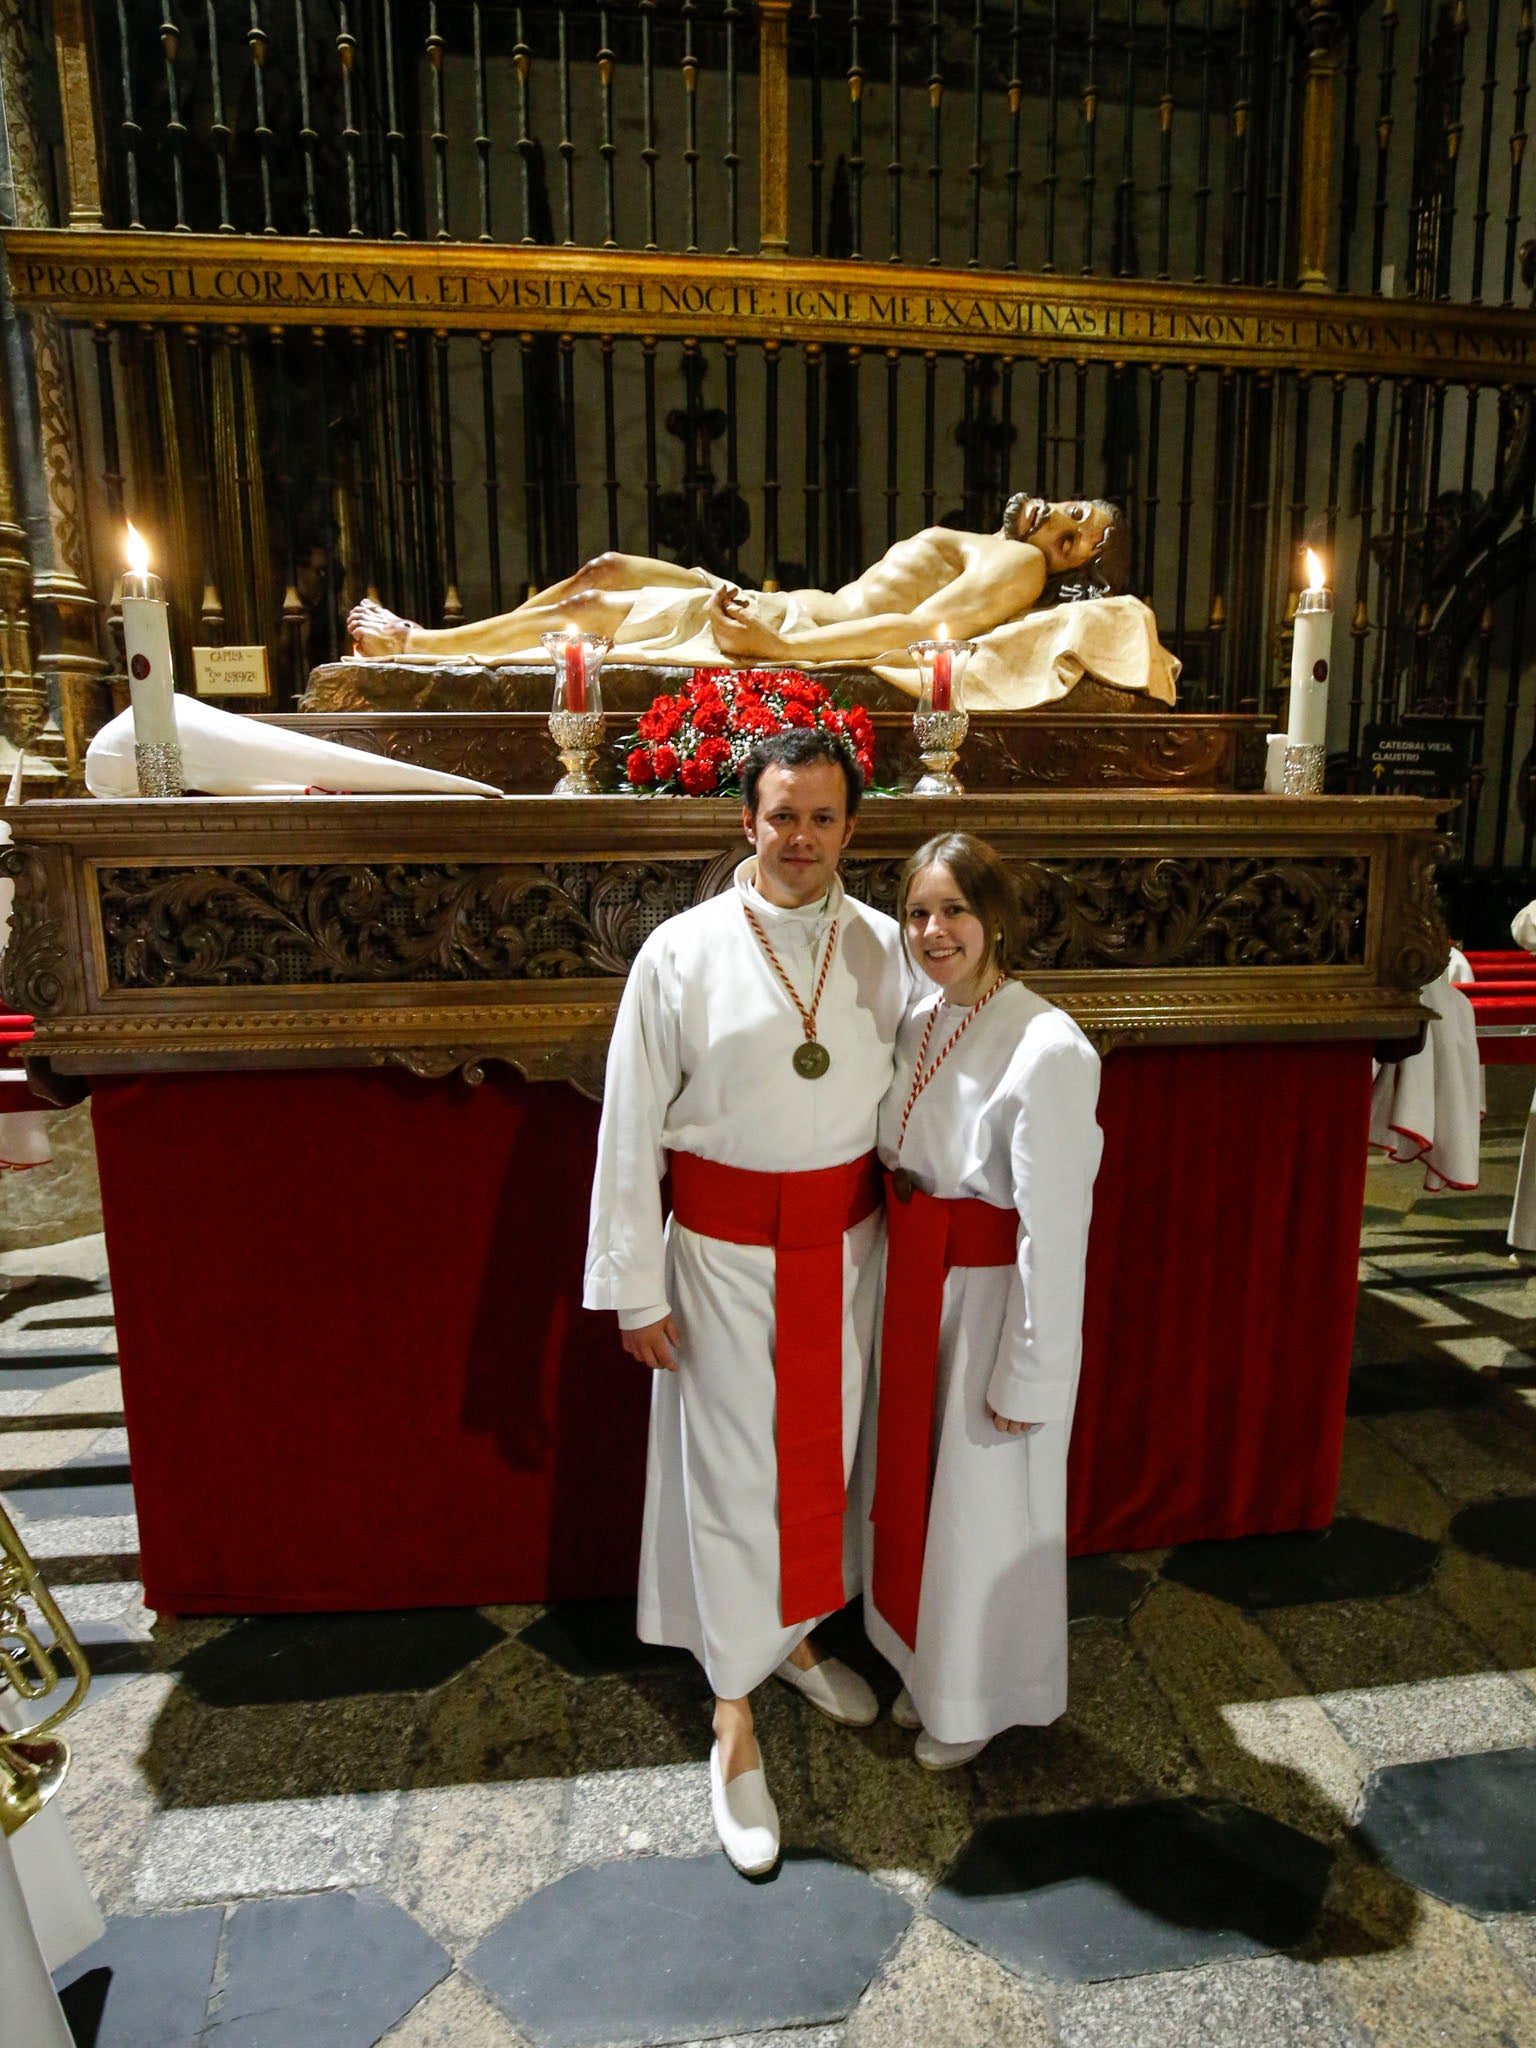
[1311,658]
[147,649]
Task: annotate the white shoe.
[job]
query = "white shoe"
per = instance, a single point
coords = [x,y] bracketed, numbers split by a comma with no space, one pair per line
[840,1693]
[904,1712]
[746,1819]
[934,1755]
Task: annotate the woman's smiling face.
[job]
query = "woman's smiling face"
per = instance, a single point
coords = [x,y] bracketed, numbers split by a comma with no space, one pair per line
[946,938]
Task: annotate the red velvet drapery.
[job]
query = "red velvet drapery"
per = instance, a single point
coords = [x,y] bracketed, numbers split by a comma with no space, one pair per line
[356,1373]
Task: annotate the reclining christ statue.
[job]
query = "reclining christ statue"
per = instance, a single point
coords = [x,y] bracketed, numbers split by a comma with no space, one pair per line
[985,587]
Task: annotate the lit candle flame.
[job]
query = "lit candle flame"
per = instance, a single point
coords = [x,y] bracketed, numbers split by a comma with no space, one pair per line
[1314,571]
[138,551]
[943,632]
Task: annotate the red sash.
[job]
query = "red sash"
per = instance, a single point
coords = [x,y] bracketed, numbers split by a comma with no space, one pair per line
[803,1216]
[924,1238]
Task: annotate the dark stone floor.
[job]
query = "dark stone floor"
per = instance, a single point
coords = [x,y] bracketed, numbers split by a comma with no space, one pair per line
[1291,1806]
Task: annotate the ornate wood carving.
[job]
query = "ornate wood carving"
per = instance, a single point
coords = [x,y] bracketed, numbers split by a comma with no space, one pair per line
[35,970]
[440,934]
[291,927]
[245,280]
[1011,750]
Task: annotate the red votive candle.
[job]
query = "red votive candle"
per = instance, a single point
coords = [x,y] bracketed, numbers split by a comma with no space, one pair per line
[575,676]
[943,669]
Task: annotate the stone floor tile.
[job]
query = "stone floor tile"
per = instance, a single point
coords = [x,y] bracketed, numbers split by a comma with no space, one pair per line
[1375,1343]
[119,1600]
[597,1639]
[1378,1484]
[938,1990]
[507,1717]
[330,1971]
[1462,1828]
[1271,2002]
[1493,1603]
[1405,1385]
[276,1659]
[1245,1712]
[661,1812]
[78,1536]
[1352,1560]
[1437,1717]
[1353,1643]
[42,1449]
[1103,1588]
[1119,1739]
[1515,1934]
[792,2037]
[455,2014]
[462,1856]
[861,1794]
[673,1948]
[77,1258]
[324,1749]
[84,1393]
[1119,1891]
[1504,1531]
[642,1722]
[1414,1973]
[110,1791]
[281,1845]
[146,1983]
[1469,1453]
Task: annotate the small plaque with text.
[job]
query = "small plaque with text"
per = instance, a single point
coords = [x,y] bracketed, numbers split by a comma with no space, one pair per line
[231,671]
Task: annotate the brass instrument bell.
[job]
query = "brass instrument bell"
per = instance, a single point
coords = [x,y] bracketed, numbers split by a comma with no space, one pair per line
[32,1761]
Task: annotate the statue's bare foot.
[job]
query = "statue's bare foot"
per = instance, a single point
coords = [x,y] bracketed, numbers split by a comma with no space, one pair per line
[376,632]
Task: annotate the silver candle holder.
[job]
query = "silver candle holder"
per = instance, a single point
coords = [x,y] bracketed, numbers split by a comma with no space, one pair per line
[940,722]
[576,718]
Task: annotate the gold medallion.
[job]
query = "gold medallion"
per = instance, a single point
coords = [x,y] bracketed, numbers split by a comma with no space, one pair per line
[811,1060]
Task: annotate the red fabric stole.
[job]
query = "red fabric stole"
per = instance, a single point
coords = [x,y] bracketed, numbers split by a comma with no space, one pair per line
[925,1236]
[803,1216]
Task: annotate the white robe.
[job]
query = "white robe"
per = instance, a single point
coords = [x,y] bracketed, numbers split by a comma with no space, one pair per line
[700,1062]
[1522,1215]
[1008,1118]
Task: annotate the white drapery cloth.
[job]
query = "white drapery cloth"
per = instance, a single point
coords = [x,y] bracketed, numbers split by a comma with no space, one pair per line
[1428,1108]
[225,754]
[1522,1215]
[1009,1119]
[700,1062]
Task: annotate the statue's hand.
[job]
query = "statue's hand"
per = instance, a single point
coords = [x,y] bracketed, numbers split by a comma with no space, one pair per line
[739,635]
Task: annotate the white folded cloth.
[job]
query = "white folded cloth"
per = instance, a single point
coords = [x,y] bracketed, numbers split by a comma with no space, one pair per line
[226,754]
[1428,1108]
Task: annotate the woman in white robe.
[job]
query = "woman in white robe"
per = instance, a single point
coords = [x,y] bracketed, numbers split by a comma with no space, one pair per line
[998,1117]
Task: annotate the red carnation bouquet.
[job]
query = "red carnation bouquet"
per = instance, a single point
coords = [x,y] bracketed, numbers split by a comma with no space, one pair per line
[694,744]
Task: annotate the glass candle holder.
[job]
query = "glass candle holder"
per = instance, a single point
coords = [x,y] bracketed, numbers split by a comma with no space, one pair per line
[939,723]
[576,717]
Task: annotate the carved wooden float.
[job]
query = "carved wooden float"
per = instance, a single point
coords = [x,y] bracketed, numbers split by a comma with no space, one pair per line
[440,932]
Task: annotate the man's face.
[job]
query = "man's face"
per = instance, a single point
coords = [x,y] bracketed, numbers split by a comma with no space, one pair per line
[1066,533]
[800,830]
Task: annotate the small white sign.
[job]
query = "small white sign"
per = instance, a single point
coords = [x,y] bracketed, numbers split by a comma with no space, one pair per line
[231,671]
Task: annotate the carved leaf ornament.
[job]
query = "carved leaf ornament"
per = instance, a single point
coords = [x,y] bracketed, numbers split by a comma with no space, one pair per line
[282,926]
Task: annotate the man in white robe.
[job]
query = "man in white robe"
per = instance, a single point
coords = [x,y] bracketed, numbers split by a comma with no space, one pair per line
[750,1054]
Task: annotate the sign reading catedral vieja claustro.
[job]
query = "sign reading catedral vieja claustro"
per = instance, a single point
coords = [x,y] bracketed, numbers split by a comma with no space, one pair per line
[93,276]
